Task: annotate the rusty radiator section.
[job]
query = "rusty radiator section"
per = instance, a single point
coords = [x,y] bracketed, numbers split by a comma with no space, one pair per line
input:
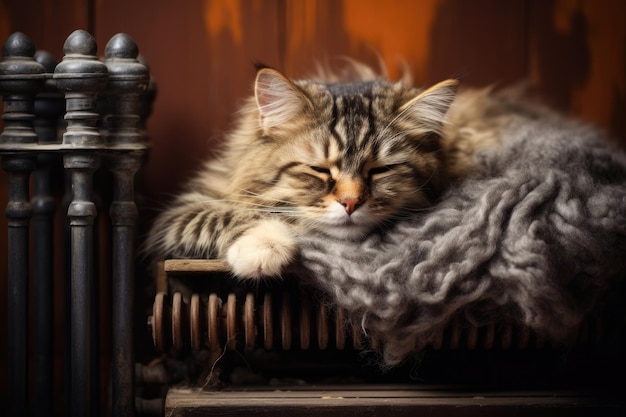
[276,321]
[286,320]
[213,317]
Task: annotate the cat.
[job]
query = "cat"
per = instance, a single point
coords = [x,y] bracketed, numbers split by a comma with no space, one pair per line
[339,156]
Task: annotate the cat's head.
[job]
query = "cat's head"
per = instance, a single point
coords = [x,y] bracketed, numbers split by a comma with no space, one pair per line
[345,158]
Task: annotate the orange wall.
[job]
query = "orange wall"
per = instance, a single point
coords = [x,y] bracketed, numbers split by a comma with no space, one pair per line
[201,53]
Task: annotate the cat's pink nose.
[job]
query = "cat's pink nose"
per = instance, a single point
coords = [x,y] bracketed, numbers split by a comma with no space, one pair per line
[350,204]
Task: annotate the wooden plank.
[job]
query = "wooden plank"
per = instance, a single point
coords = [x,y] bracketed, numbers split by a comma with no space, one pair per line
[382,400]
[577,57]
[195,266]
[368,391]
[483,41]
[48,23]
[365,30]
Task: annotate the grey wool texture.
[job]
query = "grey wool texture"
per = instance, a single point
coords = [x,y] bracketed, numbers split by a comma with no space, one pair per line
[536,236]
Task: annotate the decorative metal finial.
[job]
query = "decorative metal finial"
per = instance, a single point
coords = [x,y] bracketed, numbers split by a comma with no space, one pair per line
[81,76]
[21,77]
[128,79]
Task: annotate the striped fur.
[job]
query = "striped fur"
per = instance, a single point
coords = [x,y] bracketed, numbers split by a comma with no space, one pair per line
[343,158]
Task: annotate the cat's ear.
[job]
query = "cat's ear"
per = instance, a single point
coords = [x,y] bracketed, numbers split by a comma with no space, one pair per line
[428,109]
[279,100]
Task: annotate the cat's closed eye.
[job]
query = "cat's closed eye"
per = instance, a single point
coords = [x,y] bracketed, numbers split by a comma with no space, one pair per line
[380,170]
[321,170]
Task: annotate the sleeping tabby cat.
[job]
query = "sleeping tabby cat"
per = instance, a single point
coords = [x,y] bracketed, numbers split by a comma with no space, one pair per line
[336,156]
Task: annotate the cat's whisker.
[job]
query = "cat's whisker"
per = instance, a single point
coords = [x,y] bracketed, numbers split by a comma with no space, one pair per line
[244,204]
[407,211]
[248,193]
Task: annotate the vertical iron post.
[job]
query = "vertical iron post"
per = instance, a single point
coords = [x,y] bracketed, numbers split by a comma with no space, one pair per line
[49,108]
[21,77]
[128,79]
[81,77]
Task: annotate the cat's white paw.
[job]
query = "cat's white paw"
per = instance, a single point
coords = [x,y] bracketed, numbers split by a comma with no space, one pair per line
[262,251]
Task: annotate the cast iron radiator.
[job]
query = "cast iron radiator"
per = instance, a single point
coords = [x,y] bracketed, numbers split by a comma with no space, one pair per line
[104,104]
[282,331]
[295,317]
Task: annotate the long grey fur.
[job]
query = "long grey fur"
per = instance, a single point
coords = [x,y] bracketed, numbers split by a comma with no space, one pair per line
[537,236]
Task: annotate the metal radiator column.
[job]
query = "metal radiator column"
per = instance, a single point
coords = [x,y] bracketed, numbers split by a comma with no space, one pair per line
[21,77]
[49,108]
[81,77]
[128,79]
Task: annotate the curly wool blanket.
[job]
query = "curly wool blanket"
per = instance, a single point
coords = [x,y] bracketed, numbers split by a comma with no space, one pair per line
[537,236]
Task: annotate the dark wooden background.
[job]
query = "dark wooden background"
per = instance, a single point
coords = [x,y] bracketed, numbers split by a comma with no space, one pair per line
[201,52]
